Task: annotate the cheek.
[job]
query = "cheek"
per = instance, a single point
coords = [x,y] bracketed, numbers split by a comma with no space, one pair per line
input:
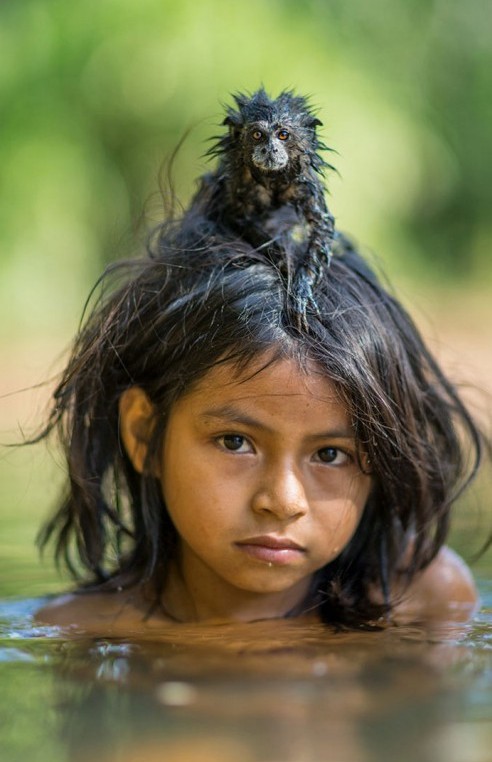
[282,154]
[257,153]
[335,534]
[198,496]
[344,514]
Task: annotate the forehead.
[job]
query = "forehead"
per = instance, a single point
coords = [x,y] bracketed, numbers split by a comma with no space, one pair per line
[274,386]
[271,124]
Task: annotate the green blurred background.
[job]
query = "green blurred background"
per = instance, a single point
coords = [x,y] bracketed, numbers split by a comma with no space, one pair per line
[94,97]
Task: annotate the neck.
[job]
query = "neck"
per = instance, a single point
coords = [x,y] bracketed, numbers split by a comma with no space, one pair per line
[189,598]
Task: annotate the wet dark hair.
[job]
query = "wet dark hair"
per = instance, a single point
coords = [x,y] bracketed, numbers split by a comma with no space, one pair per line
[199,299]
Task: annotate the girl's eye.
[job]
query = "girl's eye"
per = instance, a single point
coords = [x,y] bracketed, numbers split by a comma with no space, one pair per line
[332,456]
[234,443]
[257,135]
[283,135]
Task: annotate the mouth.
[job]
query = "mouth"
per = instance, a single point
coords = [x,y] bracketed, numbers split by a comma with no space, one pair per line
[269,165]
[272,550]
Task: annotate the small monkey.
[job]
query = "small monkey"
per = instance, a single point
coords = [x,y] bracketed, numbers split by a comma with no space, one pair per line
[268,185]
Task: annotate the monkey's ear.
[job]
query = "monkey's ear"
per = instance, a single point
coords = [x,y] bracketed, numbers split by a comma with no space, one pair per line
[234,128]
[232,121]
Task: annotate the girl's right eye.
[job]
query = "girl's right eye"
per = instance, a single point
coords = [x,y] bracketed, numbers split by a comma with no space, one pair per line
[234,443]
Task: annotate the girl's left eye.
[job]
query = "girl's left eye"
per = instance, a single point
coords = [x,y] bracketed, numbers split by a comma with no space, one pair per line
[283,135]
[234,443]
[332,456]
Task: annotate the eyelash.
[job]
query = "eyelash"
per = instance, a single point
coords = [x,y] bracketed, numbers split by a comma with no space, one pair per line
[346,457]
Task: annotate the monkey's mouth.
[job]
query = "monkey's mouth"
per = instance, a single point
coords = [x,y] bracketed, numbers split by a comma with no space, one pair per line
[269,163]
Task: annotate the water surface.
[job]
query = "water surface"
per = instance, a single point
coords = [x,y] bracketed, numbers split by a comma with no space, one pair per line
[278,691]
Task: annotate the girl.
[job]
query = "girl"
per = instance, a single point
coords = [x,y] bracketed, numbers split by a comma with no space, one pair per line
[232,459]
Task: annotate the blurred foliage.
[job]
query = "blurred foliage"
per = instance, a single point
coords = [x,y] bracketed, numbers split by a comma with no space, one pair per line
[95,96]
[30,725]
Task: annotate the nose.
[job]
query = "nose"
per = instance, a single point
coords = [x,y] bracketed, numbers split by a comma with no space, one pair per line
[281,493]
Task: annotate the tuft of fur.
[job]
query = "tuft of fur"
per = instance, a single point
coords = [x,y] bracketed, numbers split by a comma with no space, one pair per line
[268,186]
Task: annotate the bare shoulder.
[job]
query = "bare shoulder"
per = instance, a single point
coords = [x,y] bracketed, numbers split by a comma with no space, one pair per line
[444,590]
[104,613]
[79,609]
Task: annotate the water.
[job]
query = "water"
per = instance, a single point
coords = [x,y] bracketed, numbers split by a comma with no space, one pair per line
[276,691]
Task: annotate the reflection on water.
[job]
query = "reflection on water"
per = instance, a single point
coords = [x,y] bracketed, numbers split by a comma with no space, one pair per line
[262,692]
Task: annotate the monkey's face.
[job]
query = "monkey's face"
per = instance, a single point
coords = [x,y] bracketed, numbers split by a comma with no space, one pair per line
[271,137]
[268,148]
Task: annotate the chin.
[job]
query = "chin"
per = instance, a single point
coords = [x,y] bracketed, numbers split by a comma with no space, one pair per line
[269,586]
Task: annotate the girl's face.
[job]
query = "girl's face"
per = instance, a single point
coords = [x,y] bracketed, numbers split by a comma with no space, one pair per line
[260,477]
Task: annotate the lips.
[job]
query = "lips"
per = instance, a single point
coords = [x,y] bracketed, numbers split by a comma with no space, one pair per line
[271,541]
[272,550]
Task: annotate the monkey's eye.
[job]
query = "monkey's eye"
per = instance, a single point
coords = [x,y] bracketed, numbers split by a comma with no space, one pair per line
[257,135]
[283,135]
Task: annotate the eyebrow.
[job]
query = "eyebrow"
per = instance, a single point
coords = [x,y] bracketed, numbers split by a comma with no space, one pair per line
[231,414]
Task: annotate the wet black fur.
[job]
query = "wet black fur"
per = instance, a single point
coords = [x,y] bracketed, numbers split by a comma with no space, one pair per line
[282,210]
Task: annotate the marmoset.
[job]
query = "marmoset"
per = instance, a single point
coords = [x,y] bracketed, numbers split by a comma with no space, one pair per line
[268,186]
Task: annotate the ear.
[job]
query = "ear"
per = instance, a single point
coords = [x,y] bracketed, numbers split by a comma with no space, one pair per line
[136,424]
[234,123]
